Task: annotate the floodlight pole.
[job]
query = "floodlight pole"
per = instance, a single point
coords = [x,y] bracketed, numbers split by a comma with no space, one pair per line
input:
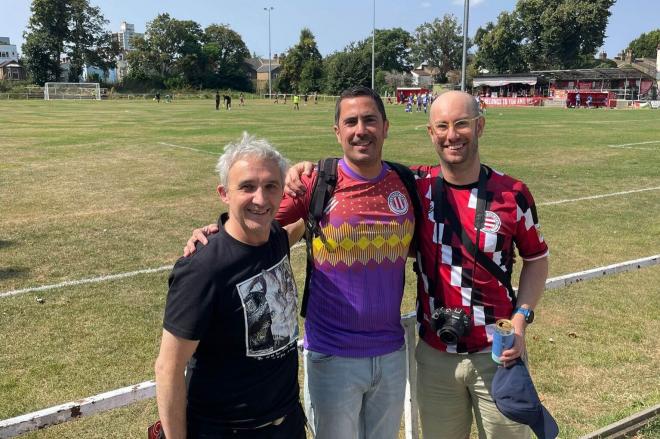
[270,87]
[373,49]
[466,14]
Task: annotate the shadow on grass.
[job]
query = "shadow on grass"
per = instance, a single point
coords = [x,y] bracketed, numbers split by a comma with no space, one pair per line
[5,244]
[13,272]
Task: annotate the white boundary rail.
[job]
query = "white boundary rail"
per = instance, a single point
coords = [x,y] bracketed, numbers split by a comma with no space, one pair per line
[125,396]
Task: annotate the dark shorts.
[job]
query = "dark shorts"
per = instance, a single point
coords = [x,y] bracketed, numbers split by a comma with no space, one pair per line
[293,427]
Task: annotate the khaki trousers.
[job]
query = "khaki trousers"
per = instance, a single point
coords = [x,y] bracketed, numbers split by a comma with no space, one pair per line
[451,387]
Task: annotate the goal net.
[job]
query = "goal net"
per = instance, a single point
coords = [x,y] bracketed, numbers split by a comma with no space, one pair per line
[72,90]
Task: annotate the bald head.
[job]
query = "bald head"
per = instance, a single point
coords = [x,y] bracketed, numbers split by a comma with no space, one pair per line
[455,126]
[456,100]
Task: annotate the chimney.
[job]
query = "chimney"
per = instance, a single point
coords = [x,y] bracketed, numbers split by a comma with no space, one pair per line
[628,58]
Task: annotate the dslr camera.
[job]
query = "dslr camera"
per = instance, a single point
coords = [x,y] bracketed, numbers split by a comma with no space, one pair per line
[450,324]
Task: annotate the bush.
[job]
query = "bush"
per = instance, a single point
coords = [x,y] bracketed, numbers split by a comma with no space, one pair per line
[18,86]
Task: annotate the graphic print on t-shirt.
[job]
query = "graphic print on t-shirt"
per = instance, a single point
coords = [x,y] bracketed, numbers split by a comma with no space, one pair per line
[269,305]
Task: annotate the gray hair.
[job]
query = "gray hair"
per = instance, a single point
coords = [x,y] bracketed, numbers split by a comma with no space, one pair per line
[249,146]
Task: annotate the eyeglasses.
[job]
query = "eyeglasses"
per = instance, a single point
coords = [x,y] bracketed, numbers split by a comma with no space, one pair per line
[461,125]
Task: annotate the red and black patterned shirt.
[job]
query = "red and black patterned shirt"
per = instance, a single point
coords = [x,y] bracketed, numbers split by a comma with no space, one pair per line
[446,266]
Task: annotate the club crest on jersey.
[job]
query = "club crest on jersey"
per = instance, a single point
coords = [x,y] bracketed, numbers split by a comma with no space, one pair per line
[398,203]
[492,222]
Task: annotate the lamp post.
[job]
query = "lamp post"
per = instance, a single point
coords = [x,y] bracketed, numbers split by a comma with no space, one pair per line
[270,87]
[373,49]
[466,14]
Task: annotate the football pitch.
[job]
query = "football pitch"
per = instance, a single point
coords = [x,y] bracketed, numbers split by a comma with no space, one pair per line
[98,198]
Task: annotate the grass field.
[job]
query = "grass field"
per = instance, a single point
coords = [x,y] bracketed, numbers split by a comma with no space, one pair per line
[97,188]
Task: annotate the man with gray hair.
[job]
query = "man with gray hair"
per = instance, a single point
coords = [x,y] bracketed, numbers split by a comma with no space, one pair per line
[220,318]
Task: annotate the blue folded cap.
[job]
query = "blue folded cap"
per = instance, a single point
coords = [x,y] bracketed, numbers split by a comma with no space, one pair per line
[516,397]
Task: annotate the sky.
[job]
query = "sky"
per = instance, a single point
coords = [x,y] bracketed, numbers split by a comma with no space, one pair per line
[334,23]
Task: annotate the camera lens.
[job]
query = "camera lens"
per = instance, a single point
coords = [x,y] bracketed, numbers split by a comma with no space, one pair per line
[448,336]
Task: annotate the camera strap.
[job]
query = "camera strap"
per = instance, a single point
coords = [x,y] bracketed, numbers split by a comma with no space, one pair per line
[442,209]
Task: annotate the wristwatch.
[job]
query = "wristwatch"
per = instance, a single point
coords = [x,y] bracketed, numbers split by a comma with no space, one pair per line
[527,313]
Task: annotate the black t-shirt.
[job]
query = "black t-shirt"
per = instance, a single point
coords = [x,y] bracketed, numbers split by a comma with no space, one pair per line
[240,302]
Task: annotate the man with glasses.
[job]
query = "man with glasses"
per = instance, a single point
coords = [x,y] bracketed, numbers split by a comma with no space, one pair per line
[467,205]
[454,379]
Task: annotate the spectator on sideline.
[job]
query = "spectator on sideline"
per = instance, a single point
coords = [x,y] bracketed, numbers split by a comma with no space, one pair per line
[217,100]
[223,307]
[227,100]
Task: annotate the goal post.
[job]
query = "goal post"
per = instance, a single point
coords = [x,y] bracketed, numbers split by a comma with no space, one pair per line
[72,90]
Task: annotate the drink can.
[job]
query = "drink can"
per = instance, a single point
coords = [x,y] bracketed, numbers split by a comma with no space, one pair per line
[503,338]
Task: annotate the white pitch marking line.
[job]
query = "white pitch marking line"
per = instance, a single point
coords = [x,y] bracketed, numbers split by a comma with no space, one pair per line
[632,144]
[187,147]
[297,245]
[86,281]
[632,147]
[92,280]
[594,197]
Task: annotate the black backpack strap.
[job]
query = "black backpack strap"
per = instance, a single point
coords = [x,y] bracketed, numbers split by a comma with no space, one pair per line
[407,177]
[321,193]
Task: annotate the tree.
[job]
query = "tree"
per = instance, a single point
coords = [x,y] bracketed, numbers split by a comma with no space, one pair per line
[178,53]
[42,57]
[44,39]
[175,44]
[303,57]
[393,49]
[225,54]
[70,27]
[88,42]
[646,45]
[500,46]
[347,69]
[439,43]
[544,34]
[562,34]
[170,50]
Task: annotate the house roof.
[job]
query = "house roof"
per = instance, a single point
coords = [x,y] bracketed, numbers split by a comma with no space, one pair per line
[500,80]
[560,75]
[260,65]
[592,74]
[10,63]
[419,72]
